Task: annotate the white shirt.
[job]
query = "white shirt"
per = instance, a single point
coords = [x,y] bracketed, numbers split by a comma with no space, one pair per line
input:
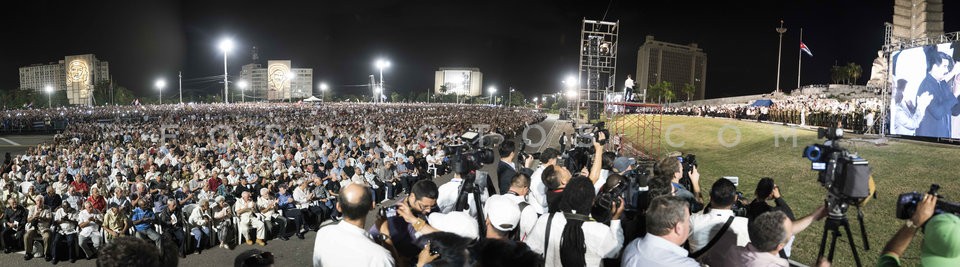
[300,196]
[604,174]
[65,226]
[706,225]
[528,216]
[447,197]
[92,227]
[628,83]
[345,244]
[243,204]
[653,250]
[602,241]
[538,191]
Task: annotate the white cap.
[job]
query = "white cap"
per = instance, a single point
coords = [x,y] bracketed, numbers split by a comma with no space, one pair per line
[503,213]
[457,222]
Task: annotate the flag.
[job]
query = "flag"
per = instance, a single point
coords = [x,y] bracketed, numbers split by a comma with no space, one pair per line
[804,48]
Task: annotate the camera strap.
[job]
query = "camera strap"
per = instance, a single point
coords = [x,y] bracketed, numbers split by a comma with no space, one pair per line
[714,240]
[546,236]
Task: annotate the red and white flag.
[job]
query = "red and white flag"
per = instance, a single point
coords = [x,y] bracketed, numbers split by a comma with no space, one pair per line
[804,48]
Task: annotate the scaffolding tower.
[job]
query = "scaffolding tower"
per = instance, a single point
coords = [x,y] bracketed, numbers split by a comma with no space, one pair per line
[598,66]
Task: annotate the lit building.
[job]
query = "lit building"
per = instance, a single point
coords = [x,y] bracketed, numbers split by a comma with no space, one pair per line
[914,19]
[277,81]
[77,74]
[462,81]
[680,65]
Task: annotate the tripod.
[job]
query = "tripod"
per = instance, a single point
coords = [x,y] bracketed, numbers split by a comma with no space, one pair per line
[468,187]
[833,224]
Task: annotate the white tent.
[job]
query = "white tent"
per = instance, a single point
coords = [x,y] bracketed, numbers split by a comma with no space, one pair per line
[312,99]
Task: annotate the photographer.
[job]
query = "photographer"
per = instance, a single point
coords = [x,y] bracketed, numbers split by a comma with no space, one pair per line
[670,167]
[940,242]
[507,168]
[345,242]
[568,237]
[538,190]
[718,217]
[408,223]
[767,190]
[450,191]
[555,177]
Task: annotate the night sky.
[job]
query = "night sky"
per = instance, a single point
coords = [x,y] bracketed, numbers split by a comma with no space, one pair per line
[528,45]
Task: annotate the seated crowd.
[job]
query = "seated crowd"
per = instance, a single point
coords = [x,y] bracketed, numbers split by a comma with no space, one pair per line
[819,111]
[206,175]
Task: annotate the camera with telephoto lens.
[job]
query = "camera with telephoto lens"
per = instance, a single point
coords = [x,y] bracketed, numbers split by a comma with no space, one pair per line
[587,134]
[687,163]
[628,186]
[845,175]
[471,155]
[907,203]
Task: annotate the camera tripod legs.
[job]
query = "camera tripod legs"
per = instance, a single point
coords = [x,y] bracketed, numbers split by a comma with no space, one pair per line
[833,226]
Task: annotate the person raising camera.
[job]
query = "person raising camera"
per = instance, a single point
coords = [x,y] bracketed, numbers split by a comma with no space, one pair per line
[941,240]
[670,167]
[408,222]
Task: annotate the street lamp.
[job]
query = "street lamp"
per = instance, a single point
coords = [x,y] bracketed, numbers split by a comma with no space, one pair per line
[160,84]
[510,101]
[225,45]
[243,88]
[49,90]
[381,64]
[492,90]
[323,92]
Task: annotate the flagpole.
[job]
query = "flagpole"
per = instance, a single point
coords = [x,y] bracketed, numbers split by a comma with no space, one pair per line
[799,59]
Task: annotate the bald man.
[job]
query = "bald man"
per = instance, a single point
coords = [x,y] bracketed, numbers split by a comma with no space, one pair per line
[346,241]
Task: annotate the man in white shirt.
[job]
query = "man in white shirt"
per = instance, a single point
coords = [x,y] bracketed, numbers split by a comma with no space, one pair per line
[705,225]
[599,240]
[518,194]
[246,209]
[450,191]
[538,191]
[668,225]
[90,220]
[66,218]
[628,89]
[346,243]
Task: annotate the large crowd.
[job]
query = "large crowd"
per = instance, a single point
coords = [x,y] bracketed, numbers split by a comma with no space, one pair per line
[859,115]
[186,178]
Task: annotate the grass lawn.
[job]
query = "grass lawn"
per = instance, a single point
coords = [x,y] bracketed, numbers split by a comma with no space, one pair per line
[899,166]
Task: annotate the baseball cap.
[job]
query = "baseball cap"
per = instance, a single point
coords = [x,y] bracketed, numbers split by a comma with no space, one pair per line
[503,213]
[622,163]
[457,222]
[941,241]
[548,154]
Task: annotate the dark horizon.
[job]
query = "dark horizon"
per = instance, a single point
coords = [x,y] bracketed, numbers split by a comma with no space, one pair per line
[529,45]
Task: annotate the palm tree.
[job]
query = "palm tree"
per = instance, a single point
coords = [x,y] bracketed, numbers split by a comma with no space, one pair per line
[688,89]
[836,74]
[854,71]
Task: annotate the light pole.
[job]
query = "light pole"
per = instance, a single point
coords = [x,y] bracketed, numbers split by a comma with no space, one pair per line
[323,92]
[780,30]
[225,45]
[492,90]
[243,88]
[510,101]
[535,103]
[381,64]
[160,84]
[49,90]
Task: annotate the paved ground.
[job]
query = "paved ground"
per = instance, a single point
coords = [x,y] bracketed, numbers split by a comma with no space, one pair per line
[294,252]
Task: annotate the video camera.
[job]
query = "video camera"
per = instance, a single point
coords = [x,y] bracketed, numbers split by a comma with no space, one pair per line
[628,188]
[845,175]
[907,203]
[587,134]
[468,157]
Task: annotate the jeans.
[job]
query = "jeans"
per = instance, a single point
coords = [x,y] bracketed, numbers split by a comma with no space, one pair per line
[152,235]
[198,234]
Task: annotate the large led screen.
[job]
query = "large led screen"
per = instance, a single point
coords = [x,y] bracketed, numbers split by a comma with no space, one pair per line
[925,86]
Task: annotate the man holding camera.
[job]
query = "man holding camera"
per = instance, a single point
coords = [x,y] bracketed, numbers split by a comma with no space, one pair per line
[941,241]
[538,190]
[718,219]
[671,167]
[507,168]
[408,223]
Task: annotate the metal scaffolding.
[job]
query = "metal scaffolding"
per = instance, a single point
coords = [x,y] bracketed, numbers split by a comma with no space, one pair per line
[598,65]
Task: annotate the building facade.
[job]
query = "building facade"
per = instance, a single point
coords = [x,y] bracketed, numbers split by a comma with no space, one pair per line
[680,65]
[277,81]
[77,75]
[462,81]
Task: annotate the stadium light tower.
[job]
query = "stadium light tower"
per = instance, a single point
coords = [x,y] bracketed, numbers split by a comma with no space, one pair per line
[49,90]
[290,77]
[780,30]
[323,92]
[510,99]
[160,83]
[243,88]
[225,45]
[381,64]
[492,90]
